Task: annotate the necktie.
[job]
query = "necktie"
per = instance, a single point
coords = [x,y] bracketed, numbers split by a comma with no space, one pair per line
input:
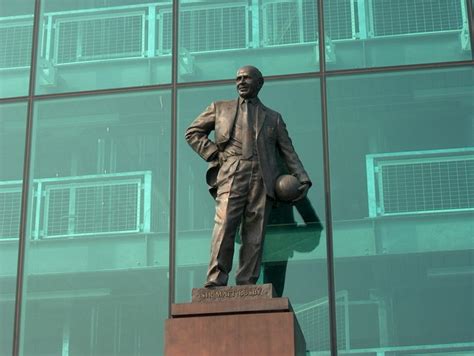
[247,130]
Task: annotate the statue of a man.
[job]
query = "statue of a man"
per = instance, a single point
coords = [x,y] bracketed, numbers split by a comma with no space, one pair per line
[249,137]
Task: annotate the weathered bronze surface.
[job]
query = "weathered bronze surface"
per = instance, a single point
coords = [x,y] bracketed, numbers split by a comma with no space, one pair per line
[244,162]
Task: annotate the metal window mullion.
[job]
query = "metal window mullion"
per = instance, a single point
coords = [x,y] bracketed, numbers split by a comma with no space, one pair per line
[173,155]
[19,294]
[327,183]
[470,20]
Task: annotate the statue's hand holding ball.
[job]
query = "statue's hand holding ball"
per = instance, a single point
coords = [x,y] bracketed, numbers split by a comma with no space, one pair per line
[289,189]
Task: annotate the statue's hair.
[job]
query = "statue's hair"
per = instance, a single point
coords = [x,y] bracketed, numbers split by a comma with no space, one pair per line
[254,69]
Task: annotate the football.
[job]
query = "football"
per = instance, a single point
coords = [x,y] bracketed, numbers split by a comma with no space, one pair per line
[286,188]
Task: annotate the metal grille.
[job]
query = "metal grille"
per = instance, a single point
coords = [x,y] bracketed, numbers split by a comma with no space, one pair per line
[395,17]
[10,203]
[58,215]
[213,29]
[93,208]
[282,23]
[165,37]
[15,45]
[107,208]
[428,186]
[119,36]
[338,16]
[285,23]
[420,181]
[313,320]
[310,21]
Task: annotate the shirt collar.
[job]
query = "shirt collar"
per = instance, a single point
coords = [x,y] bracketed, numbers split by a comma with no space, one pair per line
[254,101]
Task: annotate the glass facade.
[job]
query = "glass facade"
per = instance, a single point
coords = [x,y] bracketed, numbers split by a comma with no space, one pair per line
[89,45]
[367,33]
[218,36]
[100,174]
[12,146]
[378,260]
[16,35]
[402,201]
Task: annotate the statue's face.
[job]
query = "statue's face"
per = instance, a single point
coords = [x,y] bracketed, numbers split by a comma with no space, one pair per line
[248,82]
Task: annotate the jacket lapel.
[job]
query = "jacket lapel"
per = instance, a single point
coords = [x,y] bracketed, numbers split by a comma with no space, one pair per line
[261,115]
[225,122]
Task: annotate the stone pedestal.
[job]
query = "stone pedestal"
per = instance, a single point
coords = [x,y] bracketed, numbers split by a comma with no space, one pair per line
[243,320]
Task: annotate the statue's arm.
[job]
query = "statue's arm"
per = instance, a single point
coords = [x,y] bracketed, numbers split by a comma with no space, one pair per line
[288,153]
[197,134]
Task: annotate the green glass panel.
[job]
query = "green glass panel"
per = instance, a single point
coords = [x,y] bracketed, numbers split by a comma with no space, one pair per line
[218,37]
[402,168]
[97,258]
[88,45]
[367,33]
[16,38]
[12,145]
[294,255]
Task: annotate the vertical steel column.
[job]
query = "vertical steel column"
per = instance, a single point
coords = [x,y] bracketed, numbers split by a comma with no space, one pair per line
[25,194]
[174,125]
[327,183]
[470,22]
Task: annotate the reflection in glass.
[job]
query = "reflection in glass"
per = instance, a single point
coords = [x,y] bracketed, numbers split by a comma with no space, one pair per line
[12,143]
[365,33]
[402,168]
[218,37]
[294,253]
[98,247]
[88,45]
[16,39]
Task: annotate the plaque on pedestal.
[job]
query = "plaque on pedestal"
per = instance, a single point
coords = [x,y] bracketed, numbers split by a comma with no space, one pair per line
[241,320]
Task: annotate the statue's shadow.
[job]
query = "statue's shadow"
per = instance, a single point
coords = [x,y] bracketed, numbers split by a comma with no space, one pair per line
[284,236]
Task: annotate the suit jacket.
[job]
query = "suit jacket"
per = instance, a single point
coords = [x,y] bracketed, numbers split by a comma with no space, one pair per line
[272,139]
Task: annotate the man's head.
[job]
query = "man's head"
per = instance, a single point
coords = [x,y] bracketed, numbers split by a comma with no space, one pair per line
[249,81]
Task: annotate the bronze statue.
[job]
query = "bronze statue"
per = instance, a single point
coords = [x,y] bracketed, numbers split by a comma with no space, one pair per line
[243,168]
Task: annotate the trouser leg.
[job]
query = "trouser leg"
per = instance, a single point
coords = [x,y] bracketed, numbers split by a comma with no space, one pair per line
[227,219]
[254,221]
[230,203]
